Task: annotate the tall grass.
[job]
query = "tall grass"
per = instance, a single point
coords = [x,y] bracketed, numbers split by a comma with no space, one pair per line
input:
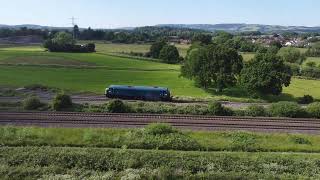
[141,139]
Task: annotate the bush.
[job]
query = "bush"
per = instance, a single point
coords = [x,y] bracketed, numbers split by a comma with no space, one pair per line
[62,102]
[300,140]
[216,109]
[311,64]
[314,110]
[117,106]
[306,99]
[286,109]
[160,136]
[256,111]
[160,129]
[32,103]
[312,72]
[54,47]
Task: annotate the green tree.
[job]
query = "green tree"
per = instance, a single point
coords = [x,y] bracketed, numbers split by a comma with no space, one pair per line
[277,44]
[222,37]
[266,73]
[213,66]
[169,54]
[291,55]
[76,32]
[156,48]
[202,38]
[63,38]
[314,51]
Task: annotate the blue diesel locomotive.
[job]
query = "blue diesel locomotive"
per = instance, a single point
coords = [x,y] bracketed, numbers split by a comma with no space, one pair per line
[138,93]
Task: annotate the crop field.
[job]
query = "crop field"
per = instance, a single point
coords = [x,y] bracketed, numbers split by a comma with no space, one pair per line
[21,66]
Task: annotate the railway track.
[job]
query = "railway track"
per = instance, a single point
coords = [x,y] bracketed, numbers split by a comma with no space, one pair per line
[63,119]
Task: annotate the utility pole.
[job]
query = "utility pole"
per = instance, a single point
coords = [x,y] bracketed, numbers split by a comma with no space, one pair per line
[73,22]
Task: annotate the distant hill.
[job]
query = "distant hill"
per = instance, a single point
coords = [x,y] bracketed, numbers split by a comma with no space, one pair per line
[205,27]
[244,27]
[31,26]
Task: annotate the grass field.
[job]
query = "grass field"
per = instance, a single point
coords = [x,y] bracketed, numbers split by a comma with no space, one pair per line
[312,59]
[28,67]
[20,66]
[127,48]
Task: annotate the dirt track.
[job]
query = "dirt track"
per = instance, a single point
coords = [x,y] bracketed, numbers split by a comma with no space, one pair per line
[96,120]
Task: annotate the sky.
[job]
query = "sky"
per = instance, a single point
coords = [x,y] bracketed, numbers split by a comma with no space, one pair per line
[133,13]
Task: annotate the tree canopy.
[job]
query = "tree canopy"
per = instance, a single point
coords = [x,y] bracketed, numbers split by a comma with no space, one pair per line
[169,54]
[212,66]
[291,55]
[63,38]
[156,48]
[202,39]
[266,74]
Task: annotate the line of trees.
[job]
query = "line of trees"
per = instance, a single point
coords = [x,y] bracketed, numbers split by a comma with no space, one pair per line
[6,32]
[143,34]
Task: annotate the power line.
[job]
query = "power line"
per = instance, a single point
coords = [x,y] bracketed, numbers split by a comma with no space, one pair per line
[73,20]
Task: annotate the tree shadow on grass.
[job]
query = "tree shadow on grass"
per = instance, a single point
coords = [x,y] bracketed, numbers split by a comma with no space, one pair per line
[238,92]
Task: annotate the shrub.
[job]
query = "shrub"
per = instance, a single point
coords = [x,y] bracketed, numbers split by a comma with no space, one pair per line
[314,110]
[62,102]
[312,72]
[160,129]
[311,64]
[117,106]
[306,99]
[243,141]
[37,87]
[300,140]
[255,111]
[160,136]
[55,47]
[286,109]
[32,103]
[216,109]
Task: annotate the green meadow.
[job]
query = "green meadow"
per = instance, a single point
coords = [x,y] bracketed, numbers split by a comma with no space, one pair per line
[21,66]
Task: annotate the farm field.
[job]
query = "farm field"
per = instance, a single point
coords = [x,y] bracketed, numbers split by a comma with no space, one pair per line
[21,66]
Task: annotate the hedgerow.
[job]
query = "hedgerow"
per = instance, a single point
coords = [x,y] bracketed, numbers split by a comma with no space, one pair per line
[280,109]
